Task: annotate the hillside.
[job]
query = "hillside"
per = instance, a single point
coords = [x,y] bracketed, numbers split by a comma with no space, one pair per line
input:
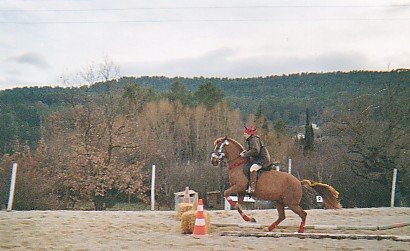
[285,97]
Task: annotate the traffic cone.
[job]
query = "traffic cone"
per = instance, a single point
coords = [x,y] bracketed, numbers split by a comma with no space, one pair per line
[199,228]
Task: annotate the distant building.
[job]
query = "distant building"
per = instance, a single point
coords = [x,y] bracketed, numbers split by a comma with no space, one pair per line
[301,135]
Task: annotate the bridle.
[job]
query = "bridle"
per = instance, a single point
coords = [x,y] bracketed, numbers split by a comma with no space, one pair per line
[218,153]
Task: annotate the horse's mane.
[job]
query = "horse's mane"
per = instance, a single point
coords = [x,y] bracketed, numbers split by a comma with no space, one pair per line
[218,141]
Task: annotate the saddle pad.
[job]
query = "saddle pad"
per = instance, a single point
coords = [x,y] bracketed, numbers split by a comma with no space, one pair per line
[247,167]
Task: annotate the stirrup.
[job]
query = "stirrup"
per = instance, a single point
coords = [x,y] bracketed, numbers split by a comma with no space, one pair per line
[248,191]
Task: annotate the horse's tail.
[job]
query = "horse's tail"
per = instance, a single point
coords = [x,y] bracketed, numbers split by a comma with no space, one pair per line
[329,194]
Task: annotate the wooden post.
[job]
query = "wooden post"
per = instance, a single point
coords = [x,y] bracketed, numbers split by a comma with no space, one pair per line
[195,202]
[12,186]
[186,195]
[393,187]
[153,188]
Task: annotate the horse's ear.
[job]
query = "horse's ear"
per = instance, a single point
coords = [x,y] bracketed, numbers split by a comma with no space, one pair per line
[226,140]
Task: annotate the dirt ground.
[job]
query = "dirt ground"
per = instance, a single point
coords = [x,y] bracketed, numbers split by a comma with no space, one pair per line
[160,230]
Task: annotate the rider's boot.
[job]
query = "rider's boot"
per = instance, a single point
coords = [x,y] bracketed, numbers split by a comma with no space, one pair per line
[253,182]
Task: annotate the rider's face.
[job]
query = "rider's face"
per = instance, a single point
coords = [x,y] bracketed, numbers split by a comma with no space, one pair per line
[245,135]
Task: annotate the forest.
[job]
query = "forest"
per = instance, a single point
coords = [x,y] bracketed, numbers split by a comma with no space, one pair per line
[95,139]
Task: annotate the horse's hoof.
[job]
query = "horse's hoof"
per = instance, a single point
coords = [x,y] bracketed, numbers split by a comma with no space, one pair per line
[266,229]
[252,220]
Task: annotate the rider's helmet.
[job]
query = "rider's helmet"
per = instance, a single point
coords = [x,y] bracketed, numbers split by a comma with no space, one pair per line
[249,130]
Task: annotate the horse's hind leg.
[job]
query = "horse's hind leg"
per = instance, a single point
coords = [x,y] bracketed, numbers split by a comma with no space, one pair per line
[302,214]
[280,207]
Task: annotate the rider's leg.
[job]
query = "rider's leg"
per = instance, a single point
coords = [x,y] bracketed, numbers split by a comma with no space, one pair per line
[254,169]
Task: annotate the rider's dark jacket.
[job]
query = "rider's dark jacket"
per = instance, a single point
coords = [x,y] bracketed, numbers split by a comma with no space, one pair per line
[256,150]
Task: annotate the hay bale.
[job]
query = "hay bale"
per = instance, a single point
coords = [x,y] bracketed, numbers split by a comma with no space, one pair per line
[188,222]
[184,207]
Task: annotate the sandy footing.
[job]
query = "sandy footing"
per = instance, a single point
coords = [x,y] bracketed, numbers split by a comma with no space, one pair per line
[153,230]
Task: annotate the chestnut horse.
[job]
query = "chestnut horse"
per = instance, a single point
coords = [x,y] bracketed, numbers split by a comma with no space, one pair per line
[280,187]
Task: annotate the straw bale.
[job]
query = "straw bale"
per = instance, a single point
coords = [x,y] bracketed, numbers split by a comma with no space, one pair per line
[188,222]
[184,207]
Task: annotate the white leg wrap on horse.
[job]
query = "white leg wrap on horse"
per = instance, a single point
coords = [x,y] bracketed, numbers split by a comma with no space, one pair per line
[255,167]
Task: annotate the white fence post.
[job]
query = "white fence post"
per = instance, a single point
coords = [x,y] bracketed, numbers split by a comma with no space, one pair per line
[153,188]
[12,186]
[290,166]
[393,187]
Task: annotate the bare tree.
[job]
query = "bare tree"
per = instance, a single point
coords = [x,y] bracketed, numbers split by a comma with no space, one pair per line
[102,136]
[373,135]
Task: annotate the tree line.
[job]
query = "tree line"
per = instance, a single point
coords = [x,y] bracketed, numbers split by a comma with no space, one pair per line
[97,142]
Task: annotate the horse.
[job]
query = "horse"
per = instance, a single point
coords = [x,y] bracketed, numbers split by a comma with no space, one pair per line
[282,188]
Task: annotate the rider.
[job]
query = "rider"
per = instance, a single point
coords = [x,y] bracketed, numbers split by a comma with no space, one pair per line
[257,151]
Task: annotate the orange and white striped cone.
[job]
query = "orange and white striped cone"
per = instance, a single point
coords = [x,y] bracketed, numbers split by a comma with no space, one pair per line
[200,228]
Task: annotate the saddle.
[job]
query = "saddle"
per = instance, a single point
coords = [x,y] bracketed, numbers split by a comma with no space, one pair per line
[266,167]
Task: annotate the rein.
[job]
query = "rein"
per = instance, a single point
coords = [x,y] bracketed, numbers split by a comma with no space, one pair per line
[237,164]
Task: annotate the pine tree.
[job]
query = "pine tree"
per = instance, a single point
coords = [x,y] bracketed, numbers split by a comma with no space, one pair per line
[208,95]
[179,91]
[280,127]
[308,146]
[261,121]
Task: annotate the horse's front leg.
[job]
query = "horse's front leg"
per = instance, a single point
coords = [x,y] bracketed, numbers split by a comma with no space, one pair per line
[241,195]
[238,207]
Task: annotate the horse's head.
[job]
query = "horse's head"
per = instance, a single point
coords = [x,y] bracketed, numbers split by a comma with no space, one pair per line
[224,148]
[219,153]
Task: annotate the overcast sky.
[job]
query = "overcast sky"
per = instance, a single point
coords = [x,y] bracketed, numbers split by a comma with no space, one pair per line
[43,40]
